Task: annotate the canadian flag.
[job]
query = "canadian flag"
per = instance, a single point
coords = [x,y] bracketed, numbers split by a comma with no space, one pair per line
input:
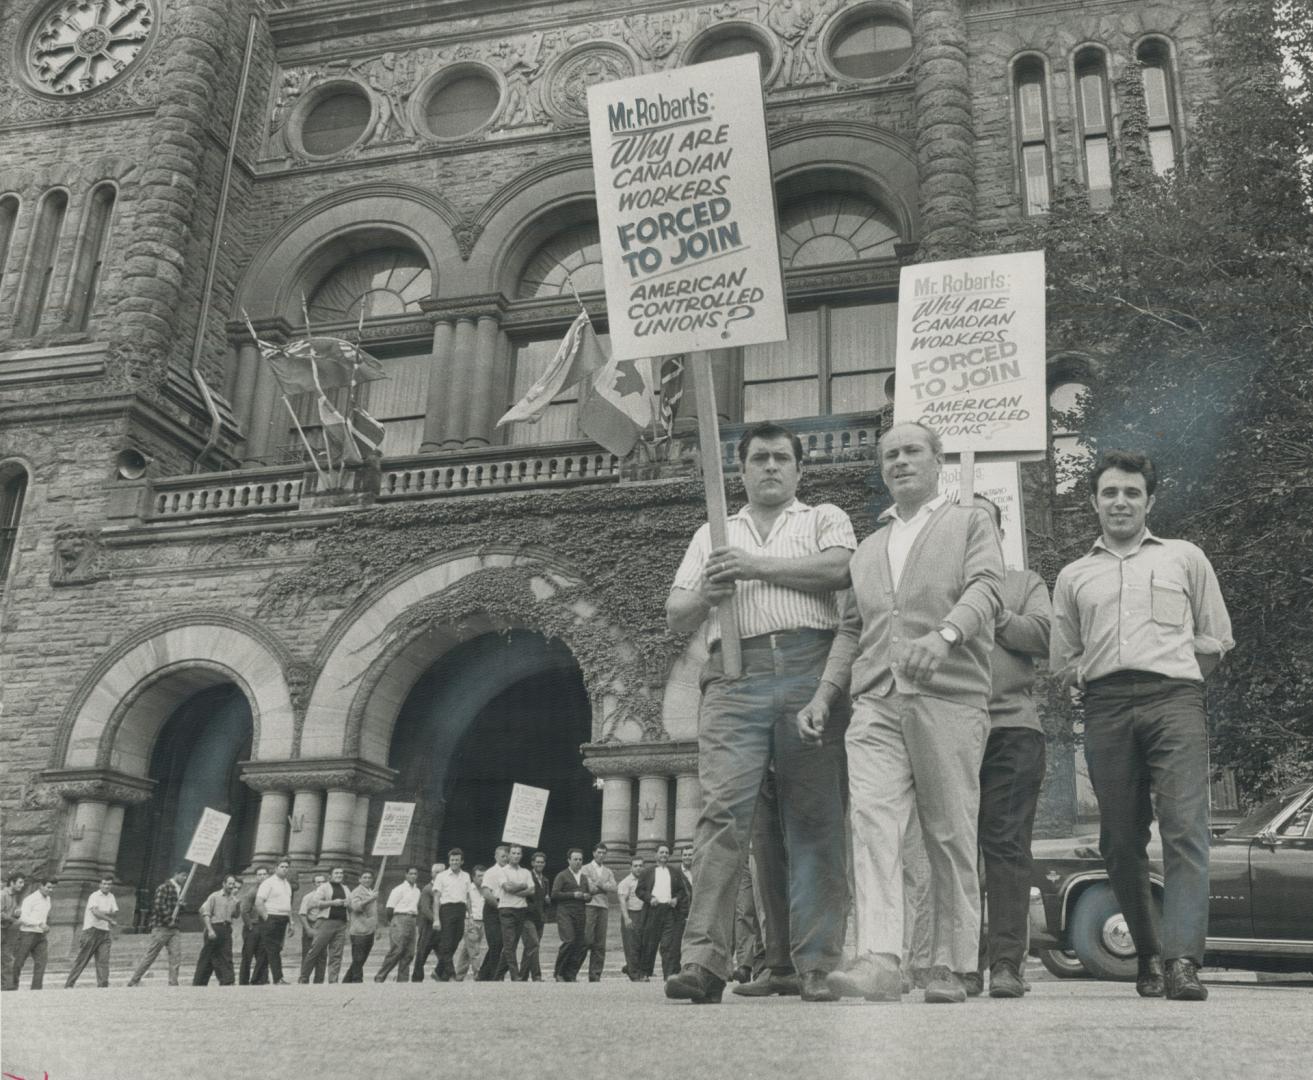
[620,406]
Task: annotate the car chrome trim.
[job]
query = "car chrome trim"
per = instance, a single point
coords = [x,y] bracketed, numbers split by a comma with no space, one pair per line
[1094,875]
[1264,946]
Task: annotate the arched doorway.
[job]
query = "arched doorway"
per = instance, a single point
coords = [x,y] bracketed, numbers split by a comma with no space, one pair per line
[496,710]
[194,765]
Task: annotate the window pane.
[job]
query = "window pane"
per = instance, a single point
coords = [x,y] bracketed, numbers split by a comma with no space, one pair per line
[1098,171]
[858,393]
[1030,95]
[335,123]
[1155,94]
[461,106]
[384,281]
[1035,164]
[863,336]
[1091,96]
[733,44]
[870,47]
[1162,148]
[573,255]
[403,393]
[403,437]
[780,401]
[781,359]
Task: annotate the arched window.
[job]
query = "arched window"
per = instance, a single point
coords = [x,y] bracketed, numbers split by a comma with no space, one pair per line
[1160,102]
[8,217]
[736,39]
[91,256]
[571,257]
[1070,459]
[840,352]
[1032,110]
[1095,125]
[13,487]
[35,287]
[382,281]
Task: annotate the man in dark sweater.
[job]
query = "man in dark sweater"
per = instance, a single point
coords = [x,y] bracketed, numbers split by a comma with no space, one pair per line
[569,894]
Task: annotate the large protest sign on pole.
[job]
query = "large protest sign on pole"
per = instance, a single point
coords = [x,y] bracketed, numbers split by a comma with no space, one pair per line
[204,844]
[524,816]
[686,210]
[690,242]
[393,828]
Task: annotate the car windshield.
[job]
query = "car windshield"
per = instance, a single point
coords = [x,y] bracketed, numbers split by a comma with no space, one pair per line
[1260,816]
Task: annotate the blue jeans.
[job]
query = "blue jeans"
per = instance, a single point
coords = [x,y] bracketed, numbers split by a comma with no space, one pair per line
[745,723]
[1147,735]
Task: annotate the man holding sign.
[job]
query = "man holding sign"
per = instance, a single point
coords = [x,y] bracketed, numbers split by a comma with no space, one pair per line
[164,929]
[782,566]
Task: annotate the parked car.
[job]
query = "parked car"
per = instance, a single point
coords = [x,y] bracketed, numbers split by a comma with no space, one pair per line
[1260,903]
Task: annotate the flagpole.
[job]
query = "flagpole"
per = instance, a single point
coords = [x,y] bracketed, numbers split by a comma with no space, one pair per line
[713,478]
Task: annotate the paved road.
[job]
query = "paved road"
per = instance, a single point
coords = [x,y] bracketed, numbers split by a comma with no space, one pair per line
[617,1029]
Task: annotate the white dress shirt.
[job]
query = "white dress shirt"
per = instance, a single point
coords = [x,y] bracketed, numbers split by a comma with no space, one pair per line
[661,885]
[276,895]
[404,899]
[100,905]
[34,915]
[451,887]
[903,534]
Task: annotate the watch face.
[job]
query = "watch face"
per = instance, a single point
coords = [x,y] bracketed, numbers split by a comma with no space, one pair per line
[80,45]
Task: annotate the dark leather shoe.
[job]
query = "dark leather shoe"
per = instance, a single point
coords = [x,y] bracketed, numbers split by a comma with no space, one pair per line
[815,989]
[743,974]
[1149,980]
[1183,981]
[973,981]
[1005,983]
[696,984]
[769,982]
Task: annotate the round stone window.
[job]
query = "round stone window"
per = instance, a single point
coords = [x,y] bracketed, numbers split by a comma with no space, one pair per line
[335,120]
[461,102]
[75,46]
[869,43]
[734,39]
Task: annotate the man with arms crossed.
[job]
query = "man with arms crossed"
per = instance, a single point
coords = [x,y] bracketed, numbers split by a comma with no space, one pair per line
[602,884]
[927,588]
[1139,623]
[782,565]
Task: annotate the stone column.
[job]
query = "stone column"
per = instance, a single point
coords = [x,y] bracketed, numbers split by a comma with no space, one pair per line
[460,386]
[86,826]
[108,856]
[307,814]
[435,416]
[945,135]
[688,807]
[360,831]
[339,822]
[653,813]
[617,804]
[271,829]
[264,416]
[487,357]
[248,370]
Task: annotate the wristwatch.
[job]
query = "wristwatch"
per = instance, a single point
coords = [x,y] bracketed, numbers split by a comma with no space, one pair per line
[949,634]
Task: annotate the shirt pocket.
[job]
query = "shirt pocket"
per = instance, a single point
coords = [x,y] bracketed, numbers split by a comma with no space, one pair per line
[1168,603]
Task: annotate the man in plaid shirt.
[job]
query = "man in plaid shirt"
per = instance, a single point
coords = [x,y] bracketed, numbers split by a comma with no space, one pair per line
[164,932]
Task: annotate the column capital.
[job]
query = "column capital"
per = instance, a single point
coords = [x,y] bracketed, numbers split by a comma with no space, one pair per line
[641,759]
[99,785]
[310,774]
[477,306]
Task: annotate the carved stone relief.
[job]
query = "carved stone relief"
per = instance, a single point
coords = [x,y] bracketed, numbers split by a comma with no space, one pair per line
[75,556]
[575,71]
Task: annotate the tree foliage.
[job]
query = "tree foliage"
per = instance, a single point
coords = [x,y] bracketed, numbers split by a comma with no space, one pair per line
[1191,301]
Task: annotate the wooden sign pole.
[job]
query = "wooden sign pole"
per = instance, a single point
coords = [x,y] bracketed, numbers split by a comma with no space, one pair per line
[713,477]
[183,891]
[967,478]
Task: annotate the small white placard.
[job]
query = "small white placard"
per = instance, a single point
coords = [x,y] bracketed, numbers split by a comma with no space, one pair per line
[524,817]
[393,828]
[205,840]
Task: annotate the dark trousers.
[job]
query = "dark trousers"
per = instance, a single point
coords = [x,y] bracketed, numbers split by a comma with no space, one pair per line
[493,968]
[1010,778]
[269,951]
[35,946]
[660,925]
[1147,736]
[426,945]
[451,928]
[532,951]
[744,724]
[93,942]
[250,944]
[318,962]
[772,883]
[570,921]
[514,925]
[8,946]
[216,957]
[631,937]
[361,946]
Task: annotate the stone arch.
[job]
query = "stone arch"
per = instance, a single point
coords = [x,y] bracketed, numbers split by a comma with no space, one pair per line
[861,157]
[328,228]
[378,650]
[113,718]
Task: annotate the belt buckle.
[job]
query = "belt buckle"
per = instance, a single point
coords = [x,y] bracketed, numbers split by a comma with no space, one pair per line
[773,643]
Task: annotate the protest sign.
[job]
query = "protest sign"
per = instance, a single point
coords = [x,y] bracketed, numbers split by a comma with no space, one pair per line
[524,817]
[686,208]
[1000,482]
[393,828]
[205,840]
[971,354]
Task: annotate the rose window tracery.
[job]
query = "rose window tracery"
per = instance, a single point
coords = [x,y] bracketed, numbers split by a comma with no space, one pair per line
[80,45]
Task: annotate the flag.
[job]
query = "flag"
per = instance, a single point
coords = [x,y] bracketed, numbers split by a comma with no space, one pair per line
[620,406]
[339,363]
[672,391]
[337,435]
[579,354]
[367,432]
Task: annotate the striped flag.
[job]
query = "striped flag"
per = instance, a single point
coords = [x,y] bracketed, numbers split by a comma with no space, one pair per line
[367,432]
[672,391]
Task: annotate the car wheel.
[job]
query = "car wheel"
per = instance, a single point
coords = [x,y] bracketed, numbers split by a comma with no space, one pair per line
[1063,963]
[1100,937]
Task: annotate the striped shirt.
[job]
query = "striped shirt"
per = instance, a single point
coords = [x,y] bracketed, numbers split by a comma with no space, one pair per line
[762,607]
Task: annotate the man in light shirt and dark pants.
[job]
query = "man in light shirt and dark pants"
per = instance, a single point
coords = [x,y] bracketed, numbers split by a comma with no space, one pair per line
[1139,623]
[451,897]
[218,912]
[663,888]
[273,909]
[402,908]
[782,566]
[631,919]
[97,923]
[33,933]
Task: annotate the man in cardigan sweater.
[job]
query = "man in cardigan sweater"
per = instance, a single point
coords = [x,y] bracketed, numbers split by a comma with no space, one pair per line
[927,588]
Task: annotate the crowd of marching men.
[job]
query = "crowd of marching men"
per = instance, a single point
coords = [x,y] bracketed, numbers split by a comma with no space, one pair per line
[485,923]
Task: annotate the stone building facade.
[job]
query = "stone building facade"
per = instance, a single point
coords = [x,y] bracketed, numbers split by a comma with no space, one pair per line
[191,616]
